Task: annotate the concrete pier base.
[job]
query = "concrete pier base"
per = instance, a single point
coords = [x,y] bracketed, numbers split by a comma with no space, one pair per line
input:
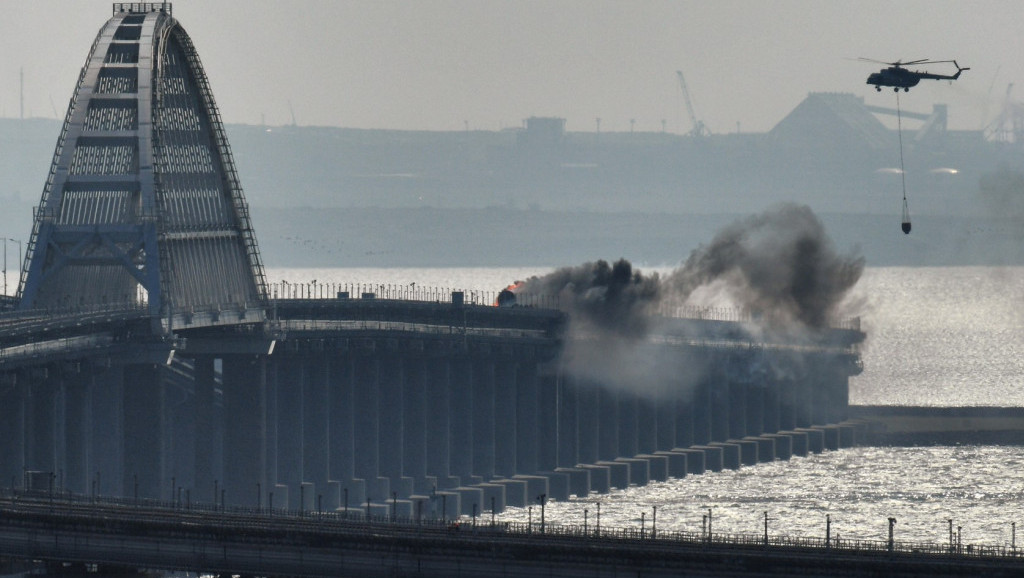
[558,485]
[618,473]
[695,460]
[765,447]
[515,491]
[847,435]
[831,436]
[748,451]
[446,505]
[494,497]
[783,445]
[677,463]
[815,439]
[731,454]
[536,485]
[600,478]
[799,441]
[470,497]
[403,486]
[657,466]
[639,470]
[714,457]
[579,480]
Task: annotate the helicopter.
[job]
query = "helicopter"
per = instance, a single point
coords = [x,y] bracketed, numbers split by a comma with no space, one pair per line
[898,77]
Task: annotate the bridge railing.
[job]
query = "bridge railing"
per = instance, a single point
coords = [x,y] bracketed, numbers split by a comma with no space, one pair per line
[314,290]
[465,527]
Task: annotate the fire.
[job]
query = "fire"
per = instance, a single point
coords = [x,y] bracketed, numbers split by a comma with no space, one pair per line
[507,296]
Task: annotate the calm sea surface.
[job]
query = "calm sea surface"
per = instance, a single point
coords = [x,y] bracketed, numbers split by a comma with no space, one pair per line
[936,336]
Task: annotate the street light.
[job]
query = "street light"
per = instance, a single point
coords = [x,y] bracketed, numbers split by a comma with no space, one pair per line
[543,499]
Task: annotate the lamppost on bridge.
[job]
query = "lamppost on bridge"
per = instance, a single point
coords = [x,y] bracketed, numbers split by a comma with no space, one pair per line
[892,525]
[543,499]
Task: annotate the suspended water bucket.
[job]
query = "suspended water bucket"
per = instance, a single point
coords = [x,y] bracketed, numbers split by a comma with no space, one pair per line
[906,218]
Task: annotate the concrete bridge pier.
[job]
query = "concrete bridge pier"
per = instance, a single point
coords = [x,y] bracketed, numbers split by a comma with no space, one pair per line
[483,416]
[700,415]
[390,408]
[245,430]
[568,423]
[289,384]
[41,419]
[76,386]
[365,401]
[438,423]
[547,418]
[646,425]
[205,431]
[589,430]
[526,417]
[12,429]
[505,431]
[106,456]
[608,424]
[316,424]
[341,428]
[414,423]
[627,420]
[144,411]
[734,410]
[460,436]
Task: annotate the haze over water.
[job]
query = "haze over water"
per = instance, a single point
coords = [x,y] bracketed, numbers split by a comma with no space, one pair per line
[936,336]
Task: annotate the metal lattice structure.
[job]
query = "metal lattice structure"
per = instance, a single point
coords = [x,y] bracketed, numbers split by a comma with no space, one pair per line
[143,205]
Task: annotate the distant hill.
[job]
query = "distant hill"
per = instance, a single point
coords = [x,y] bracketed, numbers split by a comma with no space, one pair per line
[543,196]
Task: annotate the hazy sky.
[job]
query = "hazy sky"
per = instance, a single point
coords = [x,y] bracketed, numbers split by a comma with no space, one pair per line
[440,65]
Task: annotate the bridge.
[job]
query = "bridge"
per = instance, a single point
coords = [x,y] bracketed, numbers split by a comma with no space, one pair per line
[147,357]
[86,532]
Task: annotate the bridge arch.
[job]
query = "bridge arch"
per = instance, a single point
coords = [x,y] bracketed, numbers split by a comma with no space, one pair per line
[143,206]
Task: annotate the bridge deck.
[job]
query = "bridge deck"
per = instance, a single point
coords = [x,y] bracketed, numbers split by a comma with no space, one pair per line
[173,537]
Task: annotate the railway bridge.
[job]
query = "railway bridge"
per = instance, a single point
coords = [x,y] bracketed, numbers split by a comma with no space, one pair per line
[146,356]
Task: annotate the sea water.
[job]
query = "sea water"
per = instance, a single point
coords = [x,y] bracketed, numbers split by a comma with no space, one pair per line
[945,336]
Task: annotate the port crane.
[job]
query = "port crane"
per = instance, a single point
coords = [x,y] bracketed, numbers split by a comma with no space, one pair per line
[698,130]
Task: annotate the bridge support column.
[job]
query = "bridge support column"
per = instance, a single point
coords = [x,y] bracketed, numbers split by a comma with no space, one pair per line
[365,396]
[107,463]
[588,427]
[627,415]
[77,429]
[290,383]
[460,435]
[438,426]
[414,419]
[12,429]
[526,418]
[646,424]
[755,407]
[342,429]
[206,431]
[608,424]
[772,412]
[546,434]
[316,423]
[568,421]
[721,398]
[144,431]
[41,421]
[684,417]
[483,417]
[245,429]
[701,409]
[787,395]
[505,432]
[731,406]
[390,426]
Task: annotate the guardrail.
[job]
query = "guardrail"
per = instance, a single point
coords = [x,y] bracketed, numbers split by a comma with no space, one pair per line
[55,502]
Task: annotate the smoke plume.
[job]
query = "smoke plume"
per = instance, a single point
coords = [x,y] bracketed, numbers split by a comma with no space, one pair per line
[779,268]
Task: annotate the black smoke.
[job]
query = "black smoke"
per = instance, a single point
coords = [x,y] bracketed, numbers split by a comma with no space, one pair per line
[779,266]
[604,297]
